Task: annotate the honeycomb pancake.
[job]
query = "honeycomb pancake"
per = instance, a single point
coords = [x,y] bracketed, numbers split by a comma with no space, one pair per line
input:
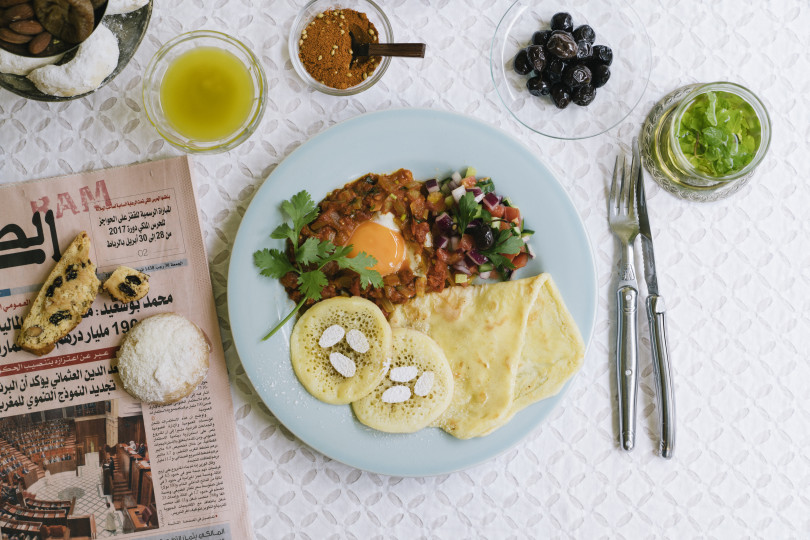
[553,350]
[481,329]
[427,378]
[64,298]
[319,367]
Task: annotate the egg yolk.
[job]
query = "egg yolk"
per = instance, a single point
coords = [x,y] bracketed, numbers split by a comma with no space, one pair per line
[382,243]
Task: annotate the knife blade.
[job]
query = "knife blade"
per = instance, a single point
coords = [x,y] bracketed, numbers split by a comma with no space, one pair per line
[656,315]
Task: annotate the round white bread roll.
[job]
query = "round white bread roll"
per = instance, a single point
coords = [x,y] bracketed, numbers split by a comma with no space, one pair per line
[417,389]
[339,349]
[163,358]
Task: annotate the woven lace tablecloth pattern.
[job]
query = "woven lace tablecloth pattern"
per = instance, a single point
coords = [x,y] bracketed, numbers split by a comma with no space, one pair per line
[735,274]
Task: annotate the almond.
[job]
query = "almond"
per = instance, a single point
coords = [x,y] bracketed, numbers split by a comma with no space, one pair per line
[34,331]
[20,12]
[39,43]
[13,37]
[29,28]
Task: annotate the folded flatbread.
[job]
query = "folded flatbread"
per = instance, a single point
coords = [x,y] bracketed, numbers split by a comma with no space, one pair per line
[509,344]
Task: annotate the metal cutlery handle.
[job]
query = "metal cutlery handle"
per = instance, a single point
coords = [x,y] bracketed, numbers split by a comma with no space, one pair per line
[656,314]
[627,362]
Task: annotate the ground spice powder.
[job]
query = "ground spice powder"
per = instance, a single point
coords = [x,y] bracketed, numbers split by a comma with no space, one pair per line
[325,48]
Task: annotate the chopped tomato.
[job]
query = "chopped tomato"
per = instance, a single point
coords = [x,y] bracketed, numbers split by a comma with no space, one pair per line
[520,260]
[466,243]
[503,225]
[510,213]
[498,211]
[469,182]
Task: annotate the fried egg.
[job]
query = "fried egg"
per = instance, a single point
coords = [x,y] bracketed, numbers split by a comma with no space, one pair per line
[381,238]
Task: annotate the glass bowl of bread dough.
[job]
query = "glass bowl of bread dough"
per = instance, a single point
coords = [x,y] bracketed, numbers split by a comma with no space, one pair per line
[126,20]
[205,92]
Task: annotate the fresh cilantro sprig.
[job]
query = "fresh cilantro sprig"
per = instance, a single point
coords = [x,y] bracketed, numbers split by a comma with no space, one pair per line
[310,256]
[466,211]
[506,242]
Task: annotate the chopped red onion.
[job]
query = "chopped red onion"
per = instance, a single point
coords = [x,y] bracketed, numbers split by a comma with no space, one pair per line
[442,242]
[476,258]
[461,266]
[444,223]
[432,185]
[485,275]
[458,193]
[456,176]
[490,201]
[454,241]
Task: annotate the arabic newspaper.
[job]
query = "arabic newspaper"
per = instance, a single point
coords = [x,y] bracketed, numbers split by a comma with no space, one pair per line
[76,451]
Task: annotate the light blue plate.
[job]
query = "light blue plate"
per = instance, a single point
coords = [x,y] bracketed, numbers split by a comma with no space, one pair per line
[431,144]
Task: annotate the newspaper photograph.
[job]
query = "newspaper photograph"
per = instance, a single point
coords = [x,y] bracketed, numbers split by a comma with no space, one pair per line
[79,456]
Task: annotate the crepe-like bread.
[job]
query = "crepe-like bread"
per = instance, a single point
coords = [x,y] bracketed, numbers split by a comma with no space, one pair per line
[553,350]
[63,300]
[481,329]
[417,389]
[340,349]
[163,358]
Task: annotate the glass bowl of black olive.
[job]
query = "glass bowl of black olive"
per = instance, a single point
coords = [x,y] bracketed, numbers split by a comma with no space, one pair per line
[570,72]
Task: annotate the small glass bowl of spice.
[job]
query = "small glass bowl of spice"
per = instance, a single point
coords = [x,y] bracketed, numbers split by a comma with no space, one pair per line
[321,45]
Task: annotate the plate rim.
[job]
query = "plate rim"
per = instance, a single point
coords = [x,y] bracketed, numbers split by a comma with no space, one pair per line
[496,132]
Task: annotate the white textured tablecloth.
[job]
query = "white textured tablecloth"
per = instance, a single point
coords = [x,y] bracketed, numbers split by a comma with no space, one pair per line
[735,274]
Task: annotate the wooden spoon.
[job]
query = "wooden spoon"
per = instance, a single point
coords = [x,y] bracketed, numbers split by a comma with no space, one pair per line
[362,47]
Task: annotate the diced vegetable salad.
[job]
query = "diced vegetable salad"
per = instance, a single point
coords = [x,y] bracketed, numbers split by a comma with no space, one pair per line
[479,233]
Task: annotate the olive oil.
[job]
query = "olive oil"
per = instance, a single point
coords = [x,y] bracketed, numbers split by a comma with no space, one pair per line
[207,94]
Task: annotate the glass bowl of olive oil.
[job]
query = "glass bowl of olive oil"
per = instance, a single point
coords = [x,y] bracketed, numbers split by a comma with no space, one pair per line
[703,142]
[205,92]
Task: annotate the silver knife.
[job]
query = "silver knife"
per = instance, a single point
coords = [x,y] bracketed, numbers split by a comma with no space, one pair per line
[656,314]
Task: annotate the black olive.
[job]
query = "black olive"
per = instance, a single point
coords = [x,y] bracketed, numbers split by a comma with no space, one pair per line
[484,239]
[560,95]
[562,21]
[522,64]
[576,75]
[537,58]
[583,95]
[135,280]
[600,75]
[602,54]
[59,316]
[562,45]
[584,50]
[126,290]
[57,282]
[538,87]
[554,70]
[584,33]
[541,37]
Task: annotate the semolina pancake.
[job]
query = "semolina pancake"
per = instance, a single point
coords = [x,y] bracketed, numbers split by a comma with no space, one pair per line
[417,389]
[481,329]
[339,349]
[553,350]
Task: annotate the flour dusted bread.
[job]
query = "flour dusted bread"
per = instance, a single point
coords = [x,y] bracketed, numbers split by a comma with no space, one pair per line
[127,284]
[339,349]
[64,298]
[163,358]
[417,389]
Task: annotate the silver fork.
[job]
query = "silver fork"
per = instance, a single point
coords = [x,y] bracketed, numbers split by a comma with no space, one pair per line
[623,221]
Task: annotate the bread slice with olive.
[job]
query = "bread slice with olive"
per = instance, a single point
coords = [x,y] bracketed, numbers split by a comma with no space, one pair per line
[63,300]
[127,284]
